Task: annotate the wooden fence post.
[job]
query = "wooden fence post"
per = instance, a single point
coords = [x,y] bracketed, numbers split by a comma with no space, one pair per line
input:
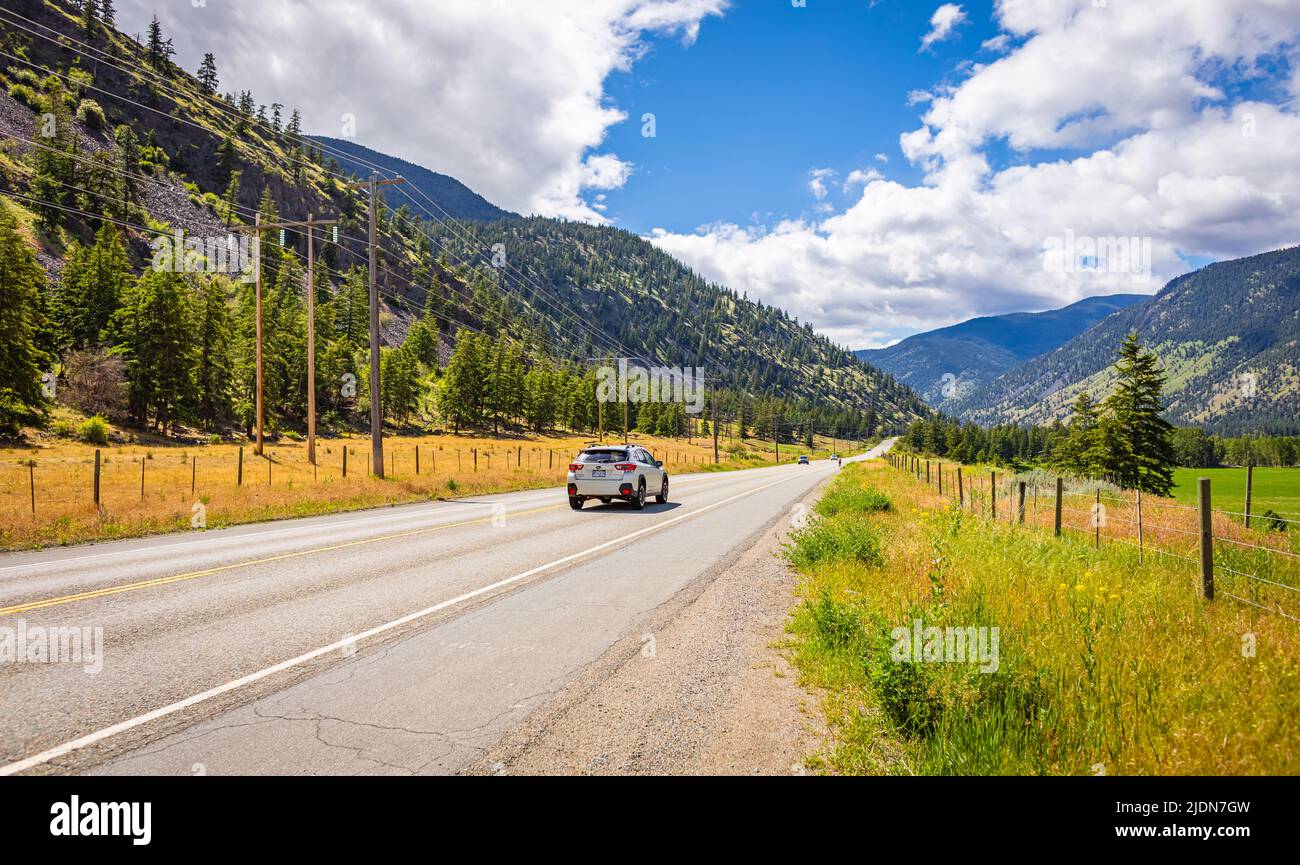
[940,480]
[1139,521]
[927,472]
[1207,538]
[961,490]
[96,477]
[1250,474]
[993,495]
[194,473]
[345,460]
[417,459]
[1056,520]
[1096,520]
[1020,503]
[475,459]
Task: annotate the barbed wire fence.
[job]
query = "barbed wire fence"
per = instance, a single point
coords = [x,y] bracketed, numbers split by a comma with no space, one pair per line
[1256,565]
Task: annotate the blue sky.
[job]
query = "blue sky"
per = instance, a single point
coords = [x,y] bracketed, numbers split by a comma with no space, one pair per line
[1175,122]
[768,92]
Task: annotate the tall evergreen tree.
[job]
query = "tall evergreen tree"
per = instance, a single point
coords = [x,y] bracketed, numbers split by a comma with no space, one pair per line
[1137,443]
[94,280]
[208,73]
[22,284]
[152,333]
[158,51]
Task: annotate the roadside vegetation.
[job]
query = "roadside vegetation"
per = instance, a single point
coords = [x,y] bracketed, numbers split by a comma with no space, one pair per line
[1105,665]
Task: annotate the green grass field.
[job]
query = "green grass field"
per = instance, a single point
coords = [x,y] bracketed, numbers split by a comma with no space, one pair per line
[1276,488]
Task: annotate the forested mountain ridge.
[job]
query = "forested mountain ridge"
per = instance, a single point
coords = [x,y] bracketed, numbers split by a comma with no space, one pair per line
[456,200]
[148,149]
[1228,335]
[944,363]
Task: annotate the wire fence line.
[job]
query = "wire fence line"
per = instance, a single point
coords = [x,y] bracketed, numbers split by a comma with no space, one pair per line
[1257,565]
[167,483]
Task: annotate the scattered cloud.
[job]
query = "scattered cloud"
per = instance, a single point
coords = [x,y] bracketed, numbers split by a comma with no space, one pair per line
[1152,147]
[506,96]
[817,178]
[942,24]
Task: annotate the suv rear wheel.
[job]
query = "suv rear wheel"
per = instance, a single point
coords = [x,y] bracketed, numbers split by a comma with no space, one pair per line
[662,498]
[575,503]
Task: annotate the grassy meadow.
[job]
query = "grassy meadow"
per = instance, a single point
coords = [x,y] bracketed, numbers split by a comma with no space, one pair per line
[1106,665]
[153,485]
[1271,487]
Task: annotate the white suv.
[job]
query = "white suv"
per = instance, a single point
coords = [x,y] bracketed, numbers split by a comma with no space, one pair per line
[610,472]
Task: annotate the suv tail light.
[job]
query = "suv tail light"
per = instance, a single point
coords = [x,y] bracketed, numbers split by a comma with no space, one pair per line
[573,467]
[625,467]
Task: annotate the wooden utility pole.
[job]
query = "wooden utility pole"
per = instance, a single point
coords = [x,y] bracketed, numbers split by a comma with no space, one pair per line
[376,410]
[715,425]
[310,225]
[257,228]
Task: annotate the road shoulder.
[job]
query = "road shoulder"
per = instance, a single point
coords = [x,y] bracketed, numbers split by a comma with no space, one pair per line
[704,689]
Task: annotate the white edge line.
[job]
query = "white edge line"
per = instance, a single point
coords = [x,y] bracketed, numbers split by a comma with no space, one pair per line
[130,723]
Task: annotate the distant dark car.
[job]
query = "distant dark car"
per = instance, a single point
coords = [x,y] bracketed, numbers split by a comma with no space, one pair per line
[803,459]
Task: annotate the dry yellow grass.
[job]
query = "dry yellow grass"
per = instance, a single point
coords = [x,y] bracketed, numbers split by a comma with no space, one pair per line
[150,488]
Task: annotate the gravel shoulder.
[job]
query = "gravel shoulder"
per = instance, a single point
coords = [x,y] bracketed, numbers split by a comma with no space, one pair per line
[704,690]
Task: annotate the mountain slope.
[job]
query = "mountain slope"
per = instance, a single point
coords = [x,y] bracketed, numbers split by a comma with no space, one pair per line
[944,363]
[1228,336]
[201,161]
[456,199]
[652,306]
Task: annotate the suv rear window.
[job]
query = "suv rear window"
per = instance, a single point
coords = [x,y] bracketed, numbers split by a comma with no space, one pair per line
[602,457]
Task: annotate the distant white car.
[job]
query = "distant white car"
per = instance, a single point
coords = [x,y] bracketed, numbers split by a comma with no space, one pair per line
[608,472]
[803,460]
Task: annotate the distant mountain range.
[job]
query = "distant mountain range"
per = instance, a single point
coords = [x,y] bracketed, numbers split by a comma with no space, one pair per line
[455,198]
[1227,334]
[945,364]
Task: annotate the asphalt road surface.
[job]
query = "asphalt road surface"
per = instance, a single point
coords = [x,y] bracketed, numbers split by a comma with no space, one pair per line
[404,640]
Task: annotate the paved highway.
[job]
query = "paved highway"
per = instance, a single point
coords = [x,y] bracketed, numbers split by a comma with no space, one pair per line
[403,640]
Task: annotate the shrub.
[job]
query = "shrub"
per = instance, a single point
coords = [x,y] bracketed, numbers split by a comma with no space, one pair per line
[1273,521]
[94,382]
[63,429]
[837,625]
[452,485]
[838,538]
[91,115]
[94,431]
[26,95]
[854,500]
[26,76]
[214,439]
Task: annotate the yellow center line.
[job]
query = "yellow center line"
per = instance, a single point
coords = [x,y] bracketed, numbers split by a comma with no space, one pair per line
[177,578]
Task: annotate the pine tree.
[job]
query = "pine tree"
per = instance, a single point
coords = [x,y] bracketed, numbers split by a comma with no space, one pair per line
[152,333]
[1136,439]
[108,14]
[90,19]
[22,284]
[55,169]
[94,280]
[208,73]
[159,51]
[213,368]
[461,397]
